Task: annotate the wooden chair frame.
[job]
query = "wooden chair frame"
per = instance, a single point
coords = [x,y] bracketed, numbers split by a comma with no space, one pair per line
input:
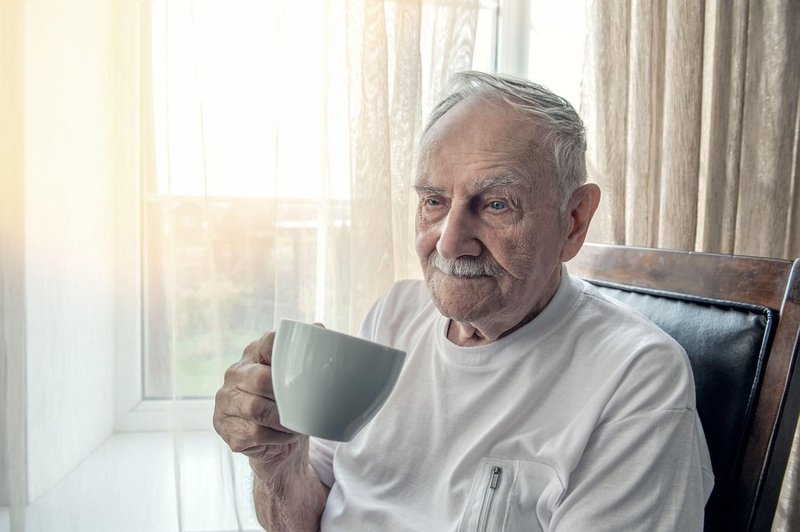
[772,283]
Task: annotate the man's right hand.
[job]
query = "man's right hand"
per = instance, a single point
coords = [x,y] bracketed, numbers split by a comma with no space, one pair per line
[246,416]
[286,491]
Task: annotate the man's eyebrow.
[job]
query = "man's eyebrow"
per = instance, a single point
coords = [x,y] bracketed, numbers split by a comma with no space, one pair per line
[424,188]
[505,180]
[481,184]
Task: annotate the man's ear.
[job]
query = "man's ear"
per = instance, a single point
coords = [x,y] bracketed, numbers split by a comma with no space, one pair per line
[580,209]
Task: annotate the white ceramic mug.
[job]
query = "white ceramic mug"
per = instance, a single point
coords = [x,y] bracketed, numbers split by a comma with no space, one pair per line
[329,384]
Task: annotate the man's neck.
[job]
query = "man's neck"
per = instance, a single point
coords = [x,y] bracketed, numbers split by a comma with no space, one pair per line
[468,334]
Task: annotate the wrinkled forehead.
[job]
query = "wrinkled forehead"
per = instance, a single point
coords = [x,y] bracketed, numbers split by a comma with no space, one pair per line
[488,130]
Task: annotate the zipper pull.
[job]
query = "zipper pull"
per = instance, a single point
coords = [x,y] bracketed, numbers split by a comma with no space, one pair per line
[495,477]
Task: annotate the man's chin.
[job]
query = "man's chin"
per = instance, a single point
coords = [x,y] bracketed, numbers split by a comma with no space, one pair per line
[461,313]
[463,298]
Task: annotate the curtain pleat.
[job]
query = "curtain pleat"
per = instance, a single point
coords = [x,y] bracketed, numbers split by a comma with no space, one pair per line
[605,87]
[722,101]
[405,74]
[642,125]
[371,186]
[680,109]
[768,141]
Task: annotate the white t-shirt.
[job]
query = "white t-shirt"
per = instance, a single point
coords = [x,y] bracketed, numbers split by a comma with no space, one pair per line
[583,419]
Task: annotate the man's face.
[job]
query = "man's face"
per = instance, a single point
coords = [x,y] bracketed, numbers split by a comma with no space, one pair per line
[488,233]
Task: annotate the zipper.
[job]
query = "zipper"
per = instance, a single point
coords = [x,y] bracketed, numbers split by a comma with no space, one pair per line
[488,497]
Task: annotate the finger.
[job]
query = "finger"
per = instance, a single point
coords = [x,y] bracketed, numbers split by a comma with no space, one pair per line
[260,351]
[248,377]
[256,379]
[233,403]
[318,324]
[252,439]
[265,344]
[253,408]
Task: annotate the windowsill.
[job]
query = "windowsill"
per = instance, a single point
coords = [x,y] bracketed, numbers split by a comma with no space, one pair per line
[164,415]
[128,484]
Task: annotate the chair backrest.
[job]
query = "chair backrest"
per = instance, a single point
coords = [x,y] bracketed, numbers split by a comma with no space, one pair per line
[738,318]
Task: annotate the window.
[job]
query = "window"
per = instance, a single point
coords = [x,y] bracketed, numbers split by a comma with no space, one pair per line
[216,218]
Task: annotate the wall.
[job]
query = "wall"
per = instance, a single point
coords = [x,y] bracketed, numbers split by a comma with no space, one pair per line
[12,295]
[69,242]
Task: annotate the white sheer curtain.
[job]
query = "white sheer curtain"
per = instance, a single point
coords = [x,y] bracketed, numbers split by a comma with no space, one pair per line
[284,141]
[264,148]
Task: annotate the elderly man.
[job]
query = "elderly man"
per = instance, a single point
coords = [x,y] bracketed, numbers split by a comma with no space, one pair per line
[528,401]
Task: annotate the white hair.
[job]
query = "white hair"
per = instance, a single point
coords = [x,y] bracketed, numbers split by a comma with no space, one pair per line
[561,127]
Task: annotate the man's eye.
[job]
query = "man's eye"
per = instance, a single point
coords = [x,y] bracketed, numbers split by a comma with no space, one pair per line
[498,205]
[433,202]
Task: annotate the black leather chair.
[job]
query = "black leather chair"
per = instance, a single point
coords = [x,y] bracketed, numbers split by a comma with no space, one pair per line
[738,319]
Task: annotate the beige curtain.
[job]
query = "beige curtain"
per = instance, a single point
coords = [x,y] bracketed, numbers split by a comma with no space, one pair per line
[692,112]
[692,118]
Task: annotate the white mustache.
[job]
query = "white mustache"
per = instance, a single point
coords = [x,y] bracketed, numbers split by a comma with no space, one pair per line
[466,266]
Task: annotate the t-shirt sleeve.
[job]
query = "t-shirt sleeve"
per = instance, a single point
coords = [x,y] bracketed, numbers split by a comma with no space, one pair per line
[320,455]
[644,473]
[644,465]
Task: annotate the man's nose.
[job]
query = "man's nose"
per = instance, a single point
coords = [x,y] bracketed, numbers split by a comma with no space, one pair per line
[458,237]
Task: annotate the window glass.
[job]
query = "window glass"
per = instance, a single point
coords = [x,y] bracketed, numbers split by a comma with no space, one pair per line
[215,218]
